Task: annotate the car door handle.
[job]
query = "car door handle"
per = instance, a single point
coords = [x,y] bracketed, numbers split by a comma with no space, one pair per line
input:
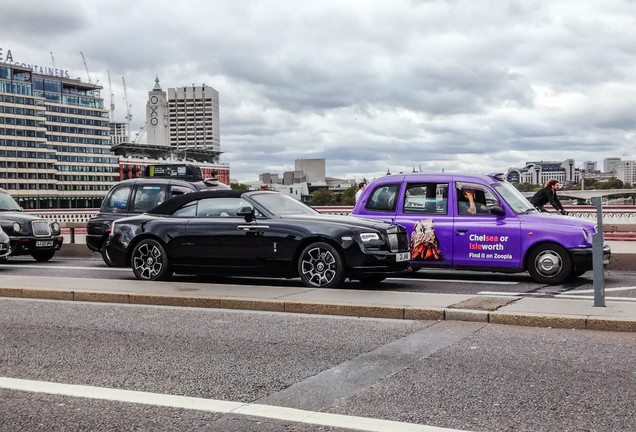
[251,227]
[462,230]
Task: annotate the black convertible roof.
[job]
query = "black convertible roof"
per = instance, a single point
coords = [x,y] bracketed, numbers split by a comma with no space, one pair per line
[174,203]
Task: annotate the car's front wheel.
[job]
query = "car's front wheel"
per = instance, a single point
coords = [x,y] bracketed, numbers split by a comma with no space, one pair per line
[43,256]
[105,256]
[149,261]
[321,265]
[549,263]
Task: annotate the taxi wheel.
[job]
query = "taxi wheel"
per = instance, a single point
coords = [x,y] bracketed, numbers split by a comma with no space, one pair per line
[549,263]
[320,265]
[43,256]
[105,256]
[149,261]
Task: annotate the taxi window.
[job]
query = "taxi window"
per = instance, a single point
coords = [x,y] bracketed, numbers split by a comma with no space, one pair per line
[147,197]
[426,198]
[474,199]
[118,200]
[383,198]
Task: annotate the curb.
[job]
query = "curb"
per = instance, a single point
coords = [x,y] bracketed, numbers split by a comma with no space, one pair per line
[528,319]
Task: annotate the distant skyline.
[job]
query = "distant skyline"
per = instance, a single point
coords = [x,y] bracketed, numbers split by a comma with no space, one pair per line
[452,85]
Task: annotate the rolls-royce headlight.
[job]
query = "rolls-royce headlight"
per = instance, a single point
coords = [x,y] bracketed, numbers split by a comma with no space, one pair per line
[367,237]
[55,227]
[17,227]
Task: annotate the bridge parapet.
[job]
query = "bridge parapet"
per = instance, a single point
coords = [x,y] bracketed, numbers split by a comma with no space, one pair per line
[615,218]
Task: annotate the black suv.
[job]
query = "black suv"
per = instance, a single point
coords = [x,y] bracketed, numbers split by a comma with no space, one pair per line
[28,234]
[157,184]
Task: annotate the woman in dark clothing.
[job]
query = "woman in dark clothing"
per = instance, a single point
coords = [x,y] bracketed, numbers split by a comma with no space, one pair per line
[548,195]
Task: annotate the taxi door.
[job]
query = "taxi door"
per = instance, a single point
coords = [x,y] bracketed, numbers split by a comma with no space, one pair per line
[482,239]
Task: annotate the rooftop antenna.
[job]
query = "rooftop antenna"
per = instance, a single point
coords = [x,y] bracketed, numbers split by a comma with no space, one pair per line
[53,60]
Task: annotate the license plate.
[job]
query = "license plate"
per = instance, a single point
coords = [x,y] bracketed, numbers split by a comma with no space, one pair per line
[403,256]
[44,243]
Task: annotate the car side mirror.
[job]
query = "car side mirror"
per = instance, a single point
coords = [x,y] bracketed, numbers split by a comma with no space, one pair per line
[497,210]
[246,212]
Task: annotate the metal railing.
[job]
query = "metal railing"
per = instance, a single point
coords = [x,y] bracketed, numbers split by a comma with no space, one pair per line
[615,218]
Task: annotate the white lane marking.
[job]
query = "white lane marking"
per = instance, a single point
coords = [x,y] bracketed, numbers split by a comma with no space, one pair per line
[218,406]
[66,267]
[589,297]
[457,280]
[606,289]
[571,295]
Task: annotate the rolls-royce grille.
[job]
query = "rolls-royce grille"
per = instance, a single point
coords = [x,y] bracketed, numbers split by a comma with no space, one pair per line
[41,228]
[398,241]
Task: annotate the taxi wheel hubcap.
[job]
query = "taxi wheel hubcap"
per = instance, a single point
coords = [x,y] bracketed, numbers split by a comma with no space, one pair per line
[549,263]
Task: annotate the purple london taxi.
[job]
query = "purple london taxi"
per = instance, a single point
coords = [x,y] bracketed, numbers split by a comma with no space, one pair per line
[480,222]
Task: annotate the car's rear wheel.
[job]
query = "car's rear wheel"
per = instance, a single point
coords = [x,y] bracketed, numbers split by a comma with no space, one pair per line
[43,256]
[549,263]
[149,261]
[321,265]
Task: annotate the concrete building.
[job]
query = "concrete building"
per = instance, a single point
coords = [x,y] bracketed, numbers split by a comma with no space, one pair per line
[540,172]
[309,170]
[610,165]
[54,138]
[119,132]
[182,125]
[626,172]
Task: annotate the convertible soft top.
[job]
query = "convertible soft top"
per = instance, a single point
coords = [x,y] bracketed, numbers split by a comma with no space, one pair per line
[170,206]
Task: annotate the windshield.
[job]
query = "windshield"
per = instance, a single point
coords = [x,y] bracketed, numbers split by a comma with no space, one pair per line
[515,199]
[282,205]
[7,203]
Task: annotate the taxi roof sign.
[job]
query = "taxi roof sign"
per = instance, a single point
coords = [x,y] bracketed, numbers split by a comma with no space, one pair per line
[181,171]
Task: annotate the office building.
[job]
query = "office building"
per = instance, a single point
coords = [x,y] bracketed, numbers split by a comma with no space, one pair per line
[54,139]
[610,165]
[184,118]
[626,171]
[540,172]
[182,125]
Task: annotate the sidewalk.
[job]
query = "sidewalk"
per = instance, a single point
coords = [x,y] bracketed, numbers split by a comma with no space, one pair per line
[523,311]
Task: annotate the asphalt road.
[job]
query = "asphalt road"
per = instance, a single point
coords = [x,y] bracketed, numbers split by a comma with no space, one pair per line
[618,283]
[176,366]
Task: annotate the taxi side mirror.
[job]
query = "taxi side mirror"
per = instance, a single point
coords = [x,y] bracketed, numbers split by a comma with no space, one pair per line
[246,212]
[497,210]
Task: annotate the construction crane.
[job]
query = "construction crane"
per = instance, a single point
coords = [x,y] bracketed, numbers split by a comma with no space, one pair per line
[128,106]
[112,101]
[86,67]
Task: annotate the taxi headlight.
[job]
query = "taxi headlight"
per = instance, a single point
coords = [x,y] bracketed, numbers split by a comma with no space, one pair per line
[55,227]
[367,237]
[17,227]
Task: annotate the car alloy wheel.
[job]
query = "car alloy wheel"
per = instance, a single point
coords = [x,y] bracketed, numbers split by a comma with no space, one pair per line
[149,261]
[320,265]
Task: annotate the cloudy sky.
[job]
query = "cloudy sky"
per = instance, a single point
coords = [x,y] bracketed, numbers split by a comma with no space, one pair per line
[368,85]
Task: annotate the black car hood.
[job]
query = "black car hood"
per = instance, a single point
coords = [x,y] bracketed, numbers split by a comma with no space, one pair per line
[17,216]
[347,221]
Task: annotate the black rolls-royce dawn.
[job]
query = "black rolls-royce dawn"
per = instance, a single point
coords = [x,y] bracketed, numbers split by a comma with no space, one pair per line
[264,233]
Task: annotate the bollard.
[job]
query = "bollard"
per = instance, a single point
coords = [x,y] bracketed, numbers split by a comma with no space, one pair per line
[597,255]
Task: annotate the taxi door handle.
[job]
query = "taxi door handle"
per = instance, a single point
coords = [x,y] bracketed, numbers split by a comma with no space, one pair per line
[462,230]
